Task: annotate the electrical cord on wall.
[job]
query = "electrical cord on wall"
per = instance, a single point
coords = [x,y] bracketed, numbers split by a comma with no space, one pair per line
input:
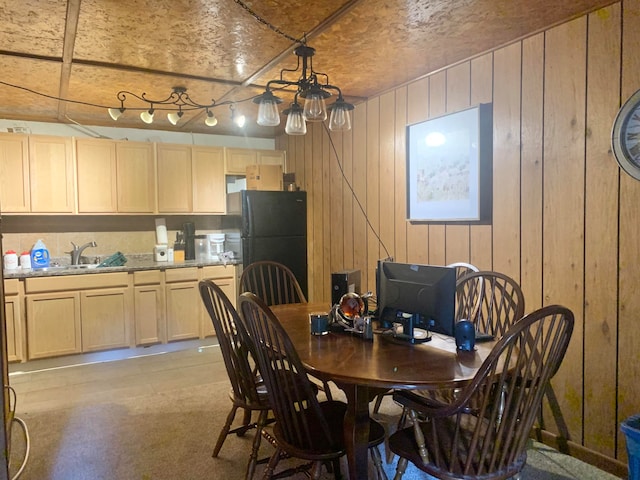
[353,193]
[25,431]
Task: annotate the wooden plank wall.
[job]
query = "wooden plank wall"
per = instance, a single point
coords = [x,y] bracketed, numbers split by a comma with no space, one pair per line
[565,219]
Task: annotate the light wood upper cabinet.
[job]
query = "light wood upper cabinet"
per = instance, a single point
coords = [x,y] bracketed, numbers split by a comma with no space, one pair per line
[96,176]
[174,179]
[238,159]
[272,157]
[135,177]
[115,176]
[14,173]
[209,188]
[51,174]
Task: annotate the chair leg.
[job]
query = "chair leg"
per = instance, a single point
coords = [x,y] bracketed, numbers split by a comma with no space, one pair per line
[401,468]
[417,431]
[376,405]
[253,458]
[225,431]
[327,390]
[246,418]
[377,461]
[273,462]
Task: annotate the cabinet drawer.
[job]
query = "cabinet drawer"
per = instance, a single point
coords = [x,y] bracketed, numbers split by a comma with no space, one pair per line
[147,277]
[76,282]
[218,271]
[11,286]
[181,274]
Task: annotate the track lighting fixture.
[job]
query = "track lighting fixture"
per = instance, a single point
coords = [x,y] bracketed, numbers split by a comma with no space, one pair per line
[178,98]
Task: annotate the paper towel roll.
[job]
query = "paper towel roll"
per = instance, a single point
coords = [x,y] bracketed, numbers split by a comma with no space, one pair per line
[161,232]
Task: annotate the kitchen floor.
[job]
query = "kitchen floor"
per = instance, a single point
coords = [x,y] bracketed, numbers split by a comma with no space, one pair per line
[55,382]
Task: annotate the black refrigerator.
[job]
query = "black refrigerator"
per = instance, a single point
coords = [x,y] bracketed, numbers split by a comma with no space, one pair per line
[274,227]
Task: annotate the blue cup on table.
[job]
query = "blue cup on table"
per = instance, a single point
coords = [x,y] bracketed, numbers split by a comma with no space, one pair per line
[319,323]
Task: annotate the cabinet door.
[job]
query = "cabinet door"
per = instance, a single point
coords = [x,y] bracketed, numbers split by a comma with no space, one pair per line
[106,319]
[53,324]
[149,314]
[51,176]
[174,179]
[135,177]
[13,314]
[228,286]
[96,175]
[14,174]
[272,157]
[209,194]
[237,160]
[183,310]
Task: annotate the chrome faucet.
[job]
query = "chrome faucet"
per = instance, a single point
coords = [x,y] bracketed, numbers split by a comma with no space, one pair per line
[77,251]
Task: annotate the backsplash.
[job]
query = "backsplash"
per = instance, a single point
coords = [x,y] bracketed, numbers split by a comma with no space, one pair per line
[131,235]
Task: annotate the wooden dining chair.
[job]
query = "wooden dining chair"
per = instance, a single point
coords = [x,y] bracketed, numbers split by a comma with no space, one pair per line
[248,391]
[483,432]
[492,301]
[305,427]
[273,282]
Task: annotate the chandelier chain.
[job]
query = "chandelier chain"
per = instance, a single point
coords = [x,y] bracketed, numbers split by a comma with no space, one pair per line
[269,25]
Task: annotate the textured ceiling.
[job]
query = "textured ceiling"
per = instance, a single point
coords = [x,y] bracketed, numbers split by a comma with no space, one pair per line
[86,51]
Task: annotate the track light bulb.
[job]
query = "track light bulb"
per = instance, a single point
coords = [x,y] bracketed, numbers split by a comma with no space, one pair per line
[211,120]
[147,117]
[115,113]
[174,117]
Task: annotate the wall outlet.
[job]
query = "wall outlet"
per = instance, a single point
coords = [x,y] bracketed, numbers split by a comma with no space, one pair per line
[18,130]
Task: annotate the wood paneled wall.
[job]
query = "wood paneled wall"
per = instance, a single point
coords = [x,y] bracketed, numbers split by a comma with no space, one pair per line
[565,218]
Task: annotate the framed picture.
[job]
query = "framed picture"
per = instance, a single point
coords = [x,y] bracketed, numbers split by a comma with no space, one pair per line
[449,167]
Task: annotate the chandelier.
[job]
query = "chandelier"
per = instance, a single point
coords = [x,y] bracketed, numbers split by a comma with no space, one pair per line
[178,98]
[311,86]
[314,88]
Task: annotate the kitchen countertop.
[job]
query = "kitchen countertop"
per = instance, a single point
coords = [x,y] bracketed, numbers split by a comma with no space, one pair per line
[134,263]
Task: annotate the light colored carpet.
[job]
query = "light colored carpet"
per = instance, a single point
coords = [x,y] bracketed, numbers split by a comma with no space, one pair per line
[170,434]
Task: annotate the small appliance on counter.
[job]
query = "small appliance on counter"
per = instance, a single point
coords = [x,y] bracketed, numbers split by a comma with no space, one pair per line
[160,251]
[216,245]
[189,232]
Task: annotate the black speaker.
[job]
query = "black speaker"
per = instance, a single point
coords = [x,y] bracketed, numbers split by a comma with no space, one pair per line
[344,282]
[465,336]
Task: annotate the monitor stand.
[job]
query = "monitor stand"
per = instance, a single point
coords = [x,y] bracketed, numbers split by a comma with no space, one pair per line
[408,324]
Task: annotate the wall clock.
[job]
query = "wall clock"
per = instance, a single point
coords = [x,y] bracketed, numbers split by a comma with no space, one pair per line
[625,136]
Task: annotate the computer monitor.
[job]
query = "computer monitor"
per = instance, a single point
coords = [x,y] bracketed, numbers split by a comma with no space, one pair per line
[417,296]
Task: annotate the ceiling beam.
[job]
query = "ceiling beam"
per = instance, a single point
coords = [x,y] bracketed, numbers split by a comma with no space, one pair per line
[70,32]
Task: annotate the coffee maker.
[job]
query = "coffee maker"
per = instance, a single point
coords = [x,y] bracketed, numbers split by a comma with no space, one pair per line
[189,233]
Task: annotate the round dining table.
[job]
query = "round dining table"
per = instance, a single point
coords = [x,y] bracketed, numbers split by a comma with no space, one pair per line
[363,369]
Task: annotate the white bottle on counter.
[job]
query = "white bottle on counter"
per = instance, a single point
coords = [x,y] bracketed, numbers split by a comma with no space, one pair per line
[25,260]
[10,260]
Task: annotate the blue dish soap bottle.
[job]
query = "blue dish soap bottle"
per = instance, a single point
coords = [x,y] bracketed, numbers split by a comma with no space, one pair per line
[39,255]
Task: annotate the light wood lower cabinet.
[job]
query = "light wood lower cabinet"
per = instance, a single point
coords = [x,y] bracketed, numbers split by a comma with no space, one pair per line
[225,278]
[77,313]
[53,324]
[84,313]
[149,307]
[105,318]
[14,319]
[183,303]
